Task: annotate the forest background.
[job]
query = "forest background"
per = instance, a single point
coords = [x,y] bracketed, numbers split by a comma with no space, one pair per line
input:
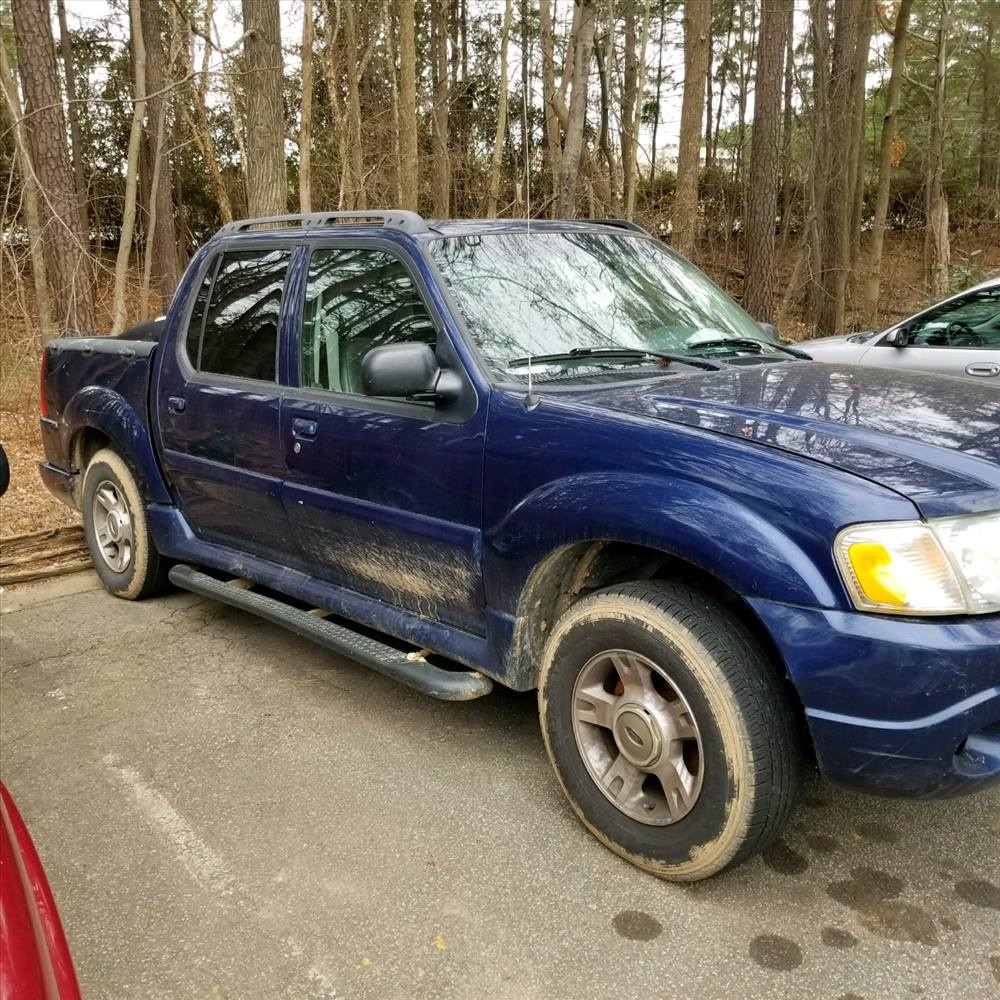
[834,164]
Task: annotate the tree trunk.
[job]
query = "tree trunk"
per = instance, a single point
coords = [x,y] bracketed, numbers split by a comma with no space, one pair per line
[553,142]
[161,238]
[32,209]
[818,175]
[603,136]
[357,197]
[630,79]
[573,145]
[305,123]
[786,127]
[988,167]
[73,114]
[937,252]
[765,172]
[659,91]
[873,271]
[118,310]
[836,215]
[264,169]
[501,133]
[65,245]
[409,176]
[697,23]
[640,88]
[442,162]
[857,171]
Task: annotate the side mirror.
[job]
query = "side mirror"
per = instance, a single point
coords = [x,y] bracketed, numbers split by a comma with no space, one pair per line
[408,371]
[897,338]
[770,331]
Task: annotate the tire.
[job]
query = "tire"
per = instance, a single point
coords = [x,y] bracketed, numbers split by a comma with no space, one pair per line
[651,680]
[117,532]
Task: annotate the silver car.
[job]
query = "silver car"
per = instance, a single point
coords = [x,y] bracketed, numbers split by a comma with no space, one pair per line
[958,336]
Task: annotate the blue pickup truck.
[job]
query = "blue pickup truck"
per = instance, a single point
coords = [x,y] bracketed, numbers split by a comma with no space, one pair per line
[556,456]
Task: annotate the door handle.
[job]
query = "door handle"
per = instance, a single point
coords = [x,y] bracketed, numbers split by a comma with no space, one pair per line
[176,404]
[986,368]
[304,430]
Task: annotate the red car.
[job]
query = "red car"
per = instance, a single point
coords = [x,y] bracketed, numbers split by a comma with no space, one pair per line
[35,962]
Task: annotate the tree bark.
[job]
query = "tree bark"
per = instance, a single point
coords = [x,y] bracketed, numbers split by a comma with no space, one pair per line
[836,214]
[630,80]
[786,127]
[65,245]
[857,166]
[765,171]
[409,167]
[32,208]
[937,250]
[357,197]
[119,314]
[550,97]
[501,133]
[161,239]
[442,161]
[264,169]
[873,272]
[697,23]
[73,114]
[640,88]
[305,122]
[573,144]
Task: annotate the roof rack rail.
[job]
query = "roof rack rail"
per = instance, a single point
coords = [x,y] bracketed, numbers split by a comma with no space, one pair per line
[618,224]
[407,222]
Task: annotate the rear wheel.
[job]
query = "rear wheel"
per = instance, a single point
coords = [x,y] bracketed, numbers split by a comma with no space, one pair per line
[672,735]
[117,533]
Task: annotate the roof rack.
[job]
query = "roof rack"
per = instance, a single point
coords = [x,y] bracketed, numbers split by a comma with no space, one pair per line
[407,222]
[617,224]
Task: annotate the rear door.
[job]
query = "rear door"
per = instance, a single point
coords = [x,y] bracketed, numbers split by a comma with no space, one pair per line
[384,497]
[218,402]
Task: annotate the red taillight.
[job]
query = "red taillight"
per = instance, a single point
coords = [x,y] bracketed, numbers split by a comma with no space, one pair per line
[42,405]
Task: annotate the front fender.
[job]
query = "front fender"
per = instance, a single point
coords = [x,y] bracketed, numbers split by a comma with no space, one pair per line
[109,412]
[692,521]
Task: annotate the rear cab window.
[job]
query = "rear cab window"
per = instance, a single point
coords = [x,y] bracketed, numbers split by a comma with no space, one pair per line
[233,328]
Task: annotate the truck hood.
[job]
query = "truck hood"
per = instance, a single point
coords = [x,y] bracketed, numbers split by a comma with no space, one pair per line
[934,439]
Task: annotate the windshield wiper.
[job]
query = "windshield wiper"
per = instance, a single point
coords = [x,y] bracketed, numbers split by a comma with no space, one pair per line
[584,353]
[751,344]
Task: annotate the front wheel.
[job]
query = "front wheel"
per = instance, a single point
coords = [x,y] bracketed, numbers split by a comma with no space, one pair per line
[672,735]
[116,530]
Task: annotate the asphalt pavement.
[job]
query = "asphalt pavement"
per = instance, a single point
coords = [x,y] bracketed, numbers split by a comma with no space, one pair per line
[226,811]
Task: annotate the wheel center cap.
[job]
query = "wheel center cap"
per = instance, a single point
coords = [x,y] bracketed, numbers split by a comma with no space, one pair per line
[637,735]
[114,526]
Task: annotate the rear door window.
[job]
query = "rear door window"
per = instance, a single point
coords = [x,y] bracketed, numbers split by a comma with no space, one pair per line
[237,333]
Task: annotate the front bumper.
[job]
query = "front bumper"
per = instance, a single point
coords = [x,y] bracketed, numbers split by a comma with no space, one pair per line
[895,706]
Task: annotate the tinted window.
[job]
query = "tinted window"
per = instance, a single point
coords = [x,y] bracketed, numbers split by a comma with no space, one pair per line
[196,324]
[356,300]
[971,321]
[240,335]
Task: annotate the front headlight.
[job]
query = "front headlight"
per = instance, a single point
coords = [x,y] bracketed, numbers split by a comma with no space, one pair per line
[944,566]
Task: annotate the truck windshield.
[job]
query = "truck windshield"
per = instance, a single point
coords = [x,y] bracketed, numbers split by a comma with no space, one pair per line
[554,293]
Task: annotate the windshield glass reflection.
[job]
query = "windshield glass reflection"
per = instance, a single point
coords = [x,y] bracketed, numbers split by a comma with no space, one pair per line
[552,293]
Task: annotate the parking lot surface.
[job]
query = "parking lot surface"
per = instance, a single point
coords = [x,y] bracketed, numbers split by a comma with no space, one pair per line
[226,811]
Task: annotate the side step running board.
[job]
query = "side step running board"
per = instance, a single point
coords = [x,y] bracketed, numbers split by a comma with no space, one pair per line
[413,671]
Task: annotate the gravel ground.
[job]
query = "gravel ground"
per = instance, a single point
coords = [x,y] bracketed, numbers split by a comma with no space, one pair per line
[226,811]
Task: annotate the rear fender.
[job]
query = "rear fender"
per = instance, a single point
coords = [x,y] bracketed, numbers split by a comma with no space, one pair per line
[107,411]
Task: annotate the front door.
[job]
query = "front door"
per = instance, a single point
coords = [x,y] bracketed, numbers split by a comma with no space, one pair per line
[960,336]
[218,404]
[384,497]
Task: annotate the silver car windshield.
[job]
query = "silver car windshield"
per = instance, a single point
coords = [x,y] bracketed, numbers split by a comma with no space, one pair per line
[536,294]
